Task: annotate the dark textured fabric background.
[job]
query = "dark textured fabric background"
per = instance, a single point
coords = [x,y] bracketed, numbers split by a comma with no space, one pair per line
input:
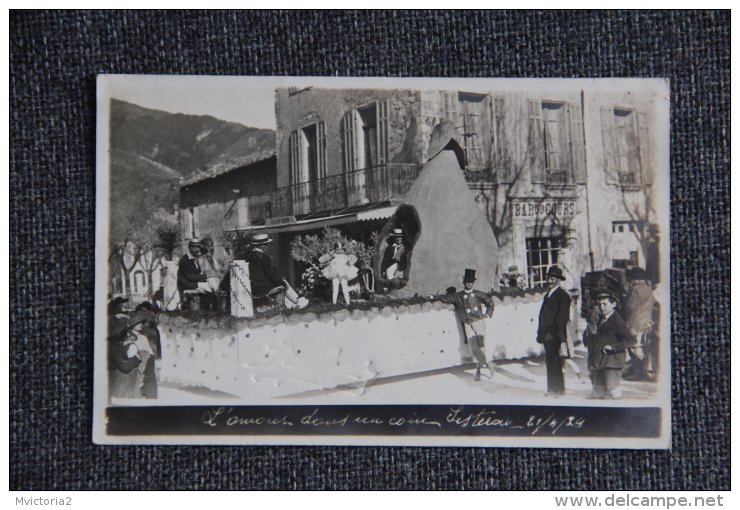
[55,57]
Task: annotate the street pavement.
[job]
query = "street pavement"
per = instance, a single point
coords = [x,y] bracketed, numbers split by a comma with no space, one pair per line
[514,381]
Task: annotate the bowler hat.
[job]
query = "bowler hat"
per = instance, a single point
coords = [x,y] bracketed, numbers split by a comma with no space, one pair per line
[469,276]
[556,272]
[636,273]
[260,239]
[513,269]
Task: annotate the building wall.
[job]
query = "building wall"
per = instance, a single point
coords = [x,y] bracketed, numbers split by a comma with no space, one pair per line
[586,208]
[296,111]
[218,203]
[610,201]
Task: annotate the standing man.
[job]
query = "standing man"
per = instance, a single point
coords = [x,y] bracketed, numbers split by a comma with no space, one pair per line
[394,258]
[471,307]
[639,306]
[554,317]
[607,342]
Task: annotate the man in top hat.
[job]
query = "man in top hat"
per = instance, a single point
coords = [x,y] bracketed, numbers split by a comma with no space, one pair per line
[607,342]
[471,307]
[394,258]
[554,317]
[638,312]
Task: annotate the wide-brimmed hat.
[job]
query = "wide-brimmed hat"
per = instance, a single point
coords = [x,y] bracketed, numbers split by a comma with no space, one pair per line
[260,239]
[469,276]
[605,293]
[636,273]
[555,272]
[116,325]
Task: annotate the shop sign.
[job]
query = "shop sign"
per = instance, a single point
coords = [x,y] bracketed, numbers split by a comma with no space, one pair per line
[541,209]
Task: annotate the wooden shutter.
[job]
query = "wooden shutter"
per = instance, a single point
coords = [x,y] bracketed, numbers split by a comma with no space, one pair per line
[185,219]
[321,149]
[451,107]
[643,139]
[578,148]
[196,223]
[295,157]
[382,132]
[536,141]
[611,165]
[348,141]
[502,164]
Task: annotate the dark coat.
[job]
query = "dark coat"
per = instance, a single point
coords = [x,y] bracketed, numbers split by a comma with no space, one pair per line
[123,374]
[262,273]
[554,317]
[188,274]
[388,259]
[615,334]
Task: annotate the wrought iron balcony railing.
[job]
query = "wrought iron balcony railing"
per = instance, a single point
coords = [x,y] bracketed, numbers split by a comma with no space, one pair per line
[384,182]
[627,178]
[556,177]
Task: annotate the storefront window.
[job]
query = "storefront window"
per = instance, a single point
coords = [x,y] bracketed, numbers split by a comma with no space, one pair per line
[542,252]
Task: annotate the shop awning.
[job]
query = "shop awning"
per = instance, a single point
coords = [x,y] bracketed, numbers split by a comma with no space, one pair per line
[357,214]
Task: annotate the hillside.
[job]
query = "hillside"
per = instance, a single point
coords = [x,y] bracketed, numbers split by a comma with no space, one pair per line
[152,150]
[185,143]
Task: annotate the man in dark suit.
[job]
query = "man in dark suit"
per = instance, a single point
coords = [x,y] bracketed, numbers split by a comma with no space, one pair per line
[263,276]
[607,342]
[190,275]
[554,317]
[394,257]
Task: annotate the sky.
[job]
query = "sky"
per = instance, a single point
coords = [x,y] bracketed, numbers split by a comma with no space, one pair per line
[251,104]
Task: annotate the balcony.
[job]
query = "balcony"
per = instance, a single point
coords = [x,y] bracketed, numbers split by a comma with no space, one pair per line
[384,182]
[627,178]
[556,177]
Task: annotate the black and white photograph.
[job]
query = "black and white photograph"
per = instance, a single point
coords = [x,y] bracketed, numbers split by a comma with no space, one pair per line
[383,261]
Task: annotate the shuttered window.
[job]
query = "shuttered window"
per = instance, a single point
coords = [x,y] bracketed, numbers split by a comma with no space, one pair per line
[365,137]
[470,114]
[555,127]
[625,142]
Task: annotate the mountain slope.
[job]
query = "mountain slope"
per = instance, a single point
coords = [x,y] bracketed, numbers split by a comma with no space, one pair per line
[152,150]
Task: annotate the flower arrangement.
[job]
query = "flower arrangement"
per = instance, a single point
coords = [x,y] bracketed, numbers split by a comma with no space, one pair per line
[310,248]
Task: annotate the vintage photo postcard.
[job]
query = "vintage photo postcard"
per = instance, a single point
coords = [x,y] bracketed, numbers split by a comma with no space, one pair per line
[374,261]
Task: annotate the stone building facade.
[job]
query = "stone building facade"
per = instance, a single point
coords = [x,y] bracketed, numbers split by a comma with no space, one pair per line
[563,176]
